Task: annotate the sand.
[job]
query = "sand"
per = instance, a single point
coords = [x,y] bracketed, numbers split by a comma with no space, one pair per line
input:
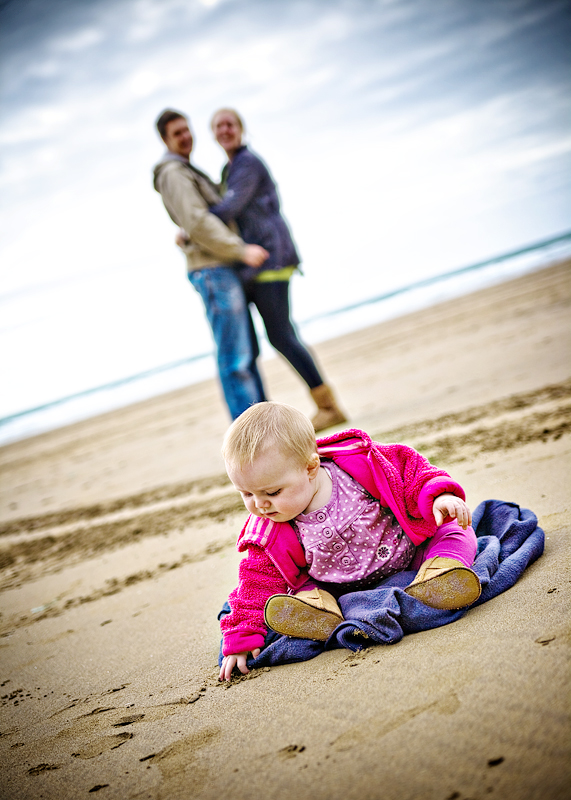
[117,552]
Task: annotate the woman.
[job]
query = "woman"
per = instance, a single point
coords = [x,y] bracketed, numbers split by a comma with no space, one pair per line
[251,200]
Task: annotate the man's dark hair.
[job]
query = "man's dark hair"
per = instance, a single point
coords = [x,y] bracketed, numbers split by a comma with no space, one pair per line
[164,118]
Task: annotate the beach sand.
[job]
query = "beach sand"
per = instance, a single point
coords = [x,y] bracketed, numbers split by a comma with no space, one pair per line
[117,552]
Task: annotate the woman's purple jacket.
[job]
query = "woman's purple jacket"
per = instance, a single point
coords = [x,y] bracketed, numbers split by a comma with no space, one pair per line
[252,201]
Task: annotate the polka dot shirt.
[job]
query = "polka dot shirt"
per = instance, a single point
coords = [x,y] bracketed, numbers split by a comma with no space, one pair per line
[353,539]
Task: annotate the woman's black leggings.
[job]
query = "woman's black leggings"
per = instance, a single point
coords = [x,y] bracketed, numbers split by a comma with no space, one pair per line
[272,301]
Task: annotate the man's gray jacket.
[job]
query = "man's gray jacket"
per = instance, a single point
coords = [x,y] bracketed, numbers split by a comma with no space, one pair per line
[187,193]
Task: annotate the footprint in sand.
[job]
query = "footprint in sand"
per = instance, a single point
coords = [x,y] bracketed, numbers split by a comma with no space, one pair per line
[42,768]
[103,745]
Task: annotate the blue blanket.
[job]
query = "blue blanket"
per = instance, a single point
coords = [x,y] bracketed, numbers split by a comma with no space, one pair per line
[509,539]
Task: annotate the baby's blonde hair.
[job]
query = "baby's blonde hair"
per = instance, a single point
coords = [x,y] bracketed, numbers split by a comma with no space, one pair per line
[266,425]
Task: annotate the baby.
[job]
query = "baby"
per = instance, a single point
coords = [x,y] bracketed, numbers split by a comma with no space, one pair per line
[332,517]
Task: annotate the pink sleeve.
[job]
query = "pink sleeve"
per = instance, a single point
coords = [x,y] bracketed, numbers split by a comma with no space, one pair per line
[422,481]
[434,487]
[244,628]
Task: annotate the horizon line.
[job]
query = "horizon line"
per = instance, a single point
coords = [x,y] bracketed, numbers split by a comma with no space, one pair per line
[322,315]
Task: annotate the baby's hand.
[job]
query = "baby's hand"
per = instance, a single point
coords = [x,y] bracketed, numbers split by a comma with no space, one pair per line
[448,505]
[236,660]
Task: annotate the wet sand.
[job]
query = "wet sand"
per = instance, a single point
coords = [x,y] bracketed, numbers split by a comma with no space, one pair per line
[117,551]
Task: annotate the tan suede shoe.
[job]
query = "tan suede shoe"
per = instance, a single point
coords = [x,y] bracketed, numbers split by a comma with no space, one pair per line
[445,583]
[328,411]
[313,614]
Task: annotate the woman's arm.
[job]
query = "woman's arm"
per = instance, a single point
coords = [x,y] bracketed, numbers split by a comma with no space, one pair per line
[243,180]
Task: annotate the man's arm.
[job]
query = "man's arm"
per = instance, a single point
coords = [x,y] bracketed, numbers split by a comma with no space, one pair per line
[254,255]
[189,210]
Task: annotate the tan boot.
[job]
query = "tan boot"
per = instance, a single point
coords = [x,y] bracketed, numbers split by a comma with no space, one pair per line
[313,614]
[328,413]
[445,583]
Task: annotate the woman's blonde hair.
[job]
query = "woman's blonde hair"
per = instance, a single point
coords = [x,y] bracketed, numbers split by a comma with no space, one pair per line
[234,113]
[269,425]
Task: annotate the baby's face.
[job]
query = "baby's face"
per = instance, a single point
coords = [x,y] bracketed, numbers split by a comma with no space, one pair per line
[275,486]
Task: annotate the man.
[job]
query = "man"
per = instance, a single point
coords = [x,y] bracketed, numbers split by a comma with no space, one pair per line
[211,250]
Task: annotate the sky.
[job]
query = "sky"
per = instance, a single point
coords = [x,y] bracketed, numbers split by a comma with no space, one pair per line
[407,137]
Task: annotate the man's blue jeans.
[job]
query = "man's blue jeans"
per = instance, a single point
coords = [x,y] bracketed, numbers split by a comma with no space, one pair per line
[237,348]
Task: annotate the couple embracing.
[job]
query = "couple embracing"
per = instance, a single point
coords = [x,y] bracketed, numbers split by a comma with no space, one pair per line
[239,252]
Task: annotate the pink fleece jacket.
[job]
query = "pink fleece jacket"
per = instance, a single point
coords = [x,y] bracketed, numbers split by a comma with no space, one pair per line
[398,476]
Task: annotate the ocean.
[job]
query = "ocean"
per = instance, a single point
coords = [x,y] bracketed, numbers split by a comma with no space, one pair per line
[325,325]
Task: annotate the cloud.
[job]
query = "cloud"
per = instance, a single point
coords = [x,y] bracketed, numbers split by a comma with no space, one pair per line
[402,133]
[35,123]
[76,41]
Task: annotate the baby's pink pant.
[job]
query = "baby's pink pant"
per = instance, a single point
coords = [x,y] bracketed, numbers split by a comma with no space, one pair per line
[449,541]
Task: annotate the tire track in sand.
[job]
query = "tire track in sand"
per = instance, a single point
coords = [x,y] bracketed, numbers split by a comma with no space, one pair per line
[31,548]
